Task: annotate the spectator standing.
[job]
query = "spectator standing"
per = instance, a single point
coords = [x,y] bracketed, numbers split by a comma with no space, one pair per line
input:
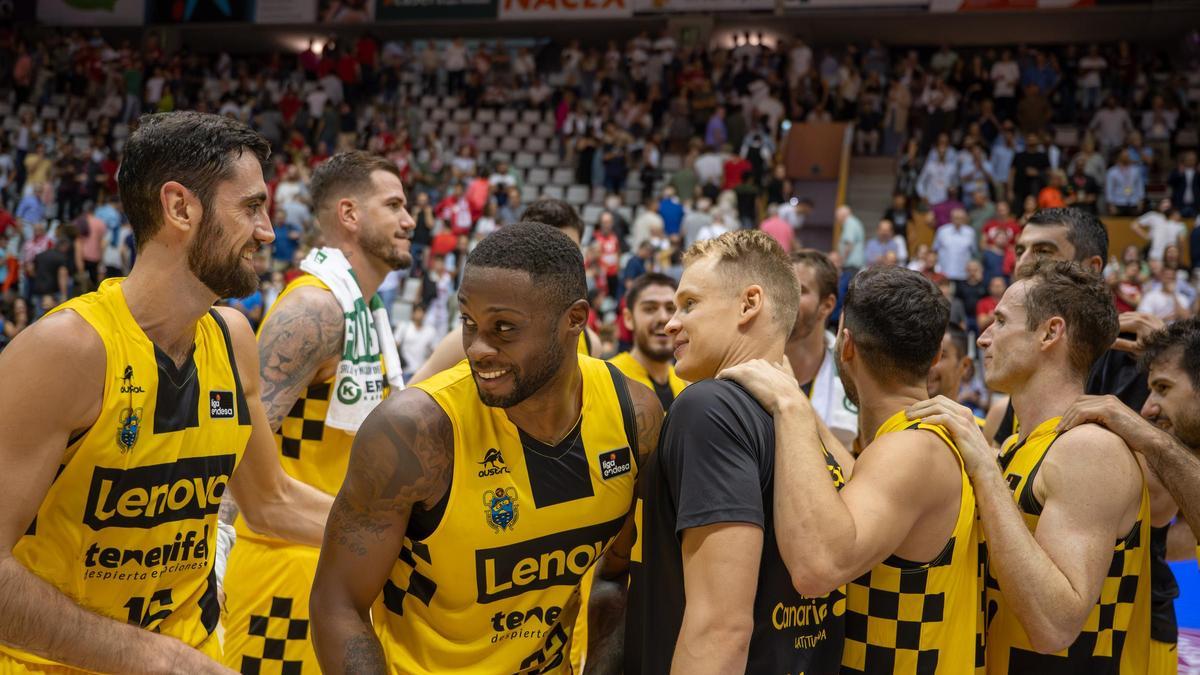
[884,243]
[940,174]
[1184,183]
[852,242]
[970,291]
[454,62]
[1005,74]
[1111,125]
[1162,228]
[1082,191]
[1124,188]
[956,244]
[671,211]
[1091,69]
[778,228]
[415,339]
[1028,173]
[899,214]
[1164,299]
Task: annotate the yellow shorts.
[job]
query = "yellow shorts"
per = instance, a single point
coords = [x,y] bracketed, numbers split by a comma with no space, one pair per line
[266,601]
[1164,658]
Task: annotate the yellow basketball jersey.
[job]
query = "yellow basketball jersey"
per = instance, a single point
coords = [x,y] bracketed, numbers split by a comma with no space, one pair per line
[906,617]
[268,581]
[636,372]
[309,451]
[1116,635]
[128,528]
[493,587]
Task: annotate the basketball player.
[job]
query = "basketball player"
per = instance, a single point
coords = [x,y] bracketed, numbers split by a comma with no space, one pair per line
[712,595]
[128,413]
[810,346]
[649,305]
[902,534]
[1172,358]
[361,207]
[1072,234]
[475,501]
[553,212]
[1062,598]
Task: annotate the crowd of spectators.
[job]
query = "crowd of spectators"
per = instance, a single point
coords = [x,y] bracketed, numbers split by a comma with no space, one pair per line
[669,145]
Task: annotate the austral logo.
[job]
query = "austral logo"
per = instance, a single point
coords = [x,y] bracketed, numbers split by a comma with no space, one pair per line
[554,560]
[615,463]
[146,496]
[220,404]
[493,464]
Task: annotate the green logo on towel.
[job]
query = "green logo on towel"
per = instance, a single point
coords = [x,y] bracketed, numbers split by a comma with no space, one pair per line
[348,392]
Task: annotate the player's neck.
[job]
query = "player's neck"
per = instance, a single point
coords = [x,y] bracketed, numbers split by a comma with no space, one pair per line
[750,348]
[878,403]
[367,272]
[552,412]
[806,355]
[1048,393]
[659,371]
[167,317]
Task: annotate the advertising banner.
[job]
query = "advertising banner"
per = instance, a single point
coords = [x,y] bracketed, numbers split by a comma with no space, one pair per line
[91,12]
[564,10]
[199,11]
[285,11]
[680,6]
[407,10]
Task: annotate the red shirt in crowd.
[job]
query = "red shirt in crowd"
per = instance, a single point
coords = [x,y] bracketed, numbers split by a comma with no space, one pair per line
[735,170]
[995,224]
[366,51]
[347,69]
[610,253]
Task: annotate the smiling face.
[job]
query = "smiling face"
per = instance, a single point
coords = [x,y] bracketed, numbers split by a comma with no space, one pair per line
[514,341]
[1174,403]
[385,228]
[231,230]
[648,320]
[705,324]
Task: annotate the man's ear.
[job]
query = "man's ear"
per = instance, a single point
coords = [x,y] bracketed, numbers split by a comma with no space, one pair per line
[181,208]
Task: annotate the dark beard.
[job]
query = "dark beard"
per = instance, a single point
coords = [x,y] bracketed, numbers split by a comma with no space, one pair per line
[383,249]
[643,343]
[220,271]
[526,386]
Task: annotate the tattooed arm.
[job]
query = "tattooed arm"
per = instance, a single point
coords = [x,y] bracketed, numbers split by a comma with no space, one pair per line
[299,341]
[606,607]
[401,458]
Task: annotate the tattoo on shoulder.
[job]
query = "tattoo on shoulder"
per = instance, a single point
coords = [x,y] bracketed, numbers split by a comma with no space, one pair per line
[402,456]
[299,337]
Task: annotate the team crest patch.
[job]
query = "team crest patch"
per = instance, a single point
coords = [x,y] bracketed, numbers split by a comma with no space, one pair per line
[615,463]
[129,422]
[500,509]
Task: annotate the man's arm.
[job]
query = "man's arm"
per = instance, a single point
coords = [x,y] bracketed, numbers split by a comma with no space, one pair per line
[720,578]
[402,457]
[271,501]
[827,537]
[1175,464]
[606,607]
[1181,542]
[304,332]
[1090,487]
[65,356]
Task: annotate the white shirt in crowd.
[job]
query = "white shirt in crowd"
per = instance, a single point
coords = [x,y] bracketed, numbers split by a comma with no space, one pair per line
[1091,67]
[1005,75]
[1160,303]
[416,343]
[455,57]
[1163,233]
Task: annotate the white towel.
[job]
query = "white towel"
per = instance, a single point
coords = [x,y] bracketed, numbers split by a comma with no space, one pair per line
[358,385]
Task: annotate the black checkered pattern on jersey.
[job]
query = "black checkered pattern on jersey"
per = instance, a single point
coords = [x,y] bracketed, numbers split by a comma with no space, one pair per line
[419,586]
[277,629]
[305,421]
[888,627]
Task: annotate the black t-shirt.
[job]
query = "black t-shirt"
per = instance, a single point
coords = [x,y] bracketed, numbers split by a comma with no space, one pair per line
[45,271]
[716,464]
[1024,184]
[970,294]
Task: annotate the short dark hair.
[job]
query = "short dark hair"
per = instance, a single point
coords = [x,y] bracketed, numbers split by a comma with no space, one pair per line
[1081,298]
[897,318]
[346,172]
[635,287]
[195,149]
[1084,231]
[1182,336]
[552,260]
[553,212]
[958,338]
[822,267]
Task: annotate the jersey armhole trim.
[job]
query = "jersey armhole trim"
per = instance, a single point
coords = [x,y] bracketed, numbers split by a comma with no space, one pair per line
[627,414]
[243,410]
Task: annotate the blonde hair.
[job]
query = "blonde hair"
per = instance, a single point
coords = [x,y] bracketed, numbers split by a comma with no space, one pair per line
[754,257]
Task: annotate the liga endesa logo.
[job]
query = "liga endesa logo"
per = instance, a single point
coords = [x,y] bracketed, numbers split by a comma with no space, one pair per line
[554,560]
[145,496]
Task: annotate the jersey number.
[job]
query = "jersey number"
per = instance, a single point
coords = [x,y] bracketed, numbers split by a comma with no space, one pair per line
[141,613]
